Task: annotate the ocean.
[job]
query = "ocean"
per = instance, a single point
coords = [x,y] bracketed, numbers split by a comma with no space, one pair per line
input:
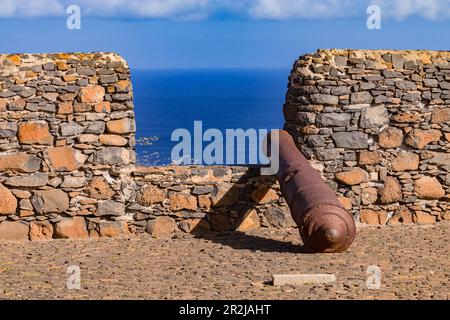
[166,100]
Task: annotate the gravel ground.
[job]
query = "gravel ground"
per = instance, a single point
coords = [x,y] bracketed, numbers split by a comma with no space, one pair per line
[414,264]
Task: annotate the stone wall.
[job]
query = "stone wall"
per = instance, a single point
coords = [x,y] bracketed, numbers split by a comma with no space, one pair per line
[66,145]
[198,199]
[377,125]
[374,123]
[67,161]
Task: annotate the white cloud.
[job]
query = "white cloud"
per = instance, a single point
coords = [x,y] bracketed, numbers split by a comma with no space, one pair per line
[250,9]
[303,9]
[30,8]
[428,9]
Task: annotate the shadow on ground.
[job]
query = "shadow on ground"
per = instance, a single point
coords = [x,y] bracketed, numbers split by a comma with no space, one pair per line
[237,200]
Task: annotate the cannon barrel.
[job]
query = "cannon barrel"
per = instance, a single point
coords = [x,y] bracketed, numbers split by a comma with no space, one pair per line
[324,224]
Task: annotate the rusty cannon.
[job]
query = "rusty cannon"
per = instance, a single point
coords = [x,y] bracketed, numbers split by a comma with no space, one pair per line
[324,224]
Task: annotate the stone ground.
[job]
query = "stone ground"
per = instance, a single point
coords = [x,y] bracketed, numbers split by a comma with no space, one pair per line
[414,261]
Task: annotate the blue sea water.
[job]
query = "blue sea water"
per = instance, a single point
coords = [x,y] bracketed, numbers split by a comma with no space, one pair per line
[224,99]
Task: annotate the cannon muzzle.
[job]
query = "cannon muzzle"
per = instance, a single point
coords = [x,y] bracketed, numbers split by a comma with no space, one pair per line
[324,224]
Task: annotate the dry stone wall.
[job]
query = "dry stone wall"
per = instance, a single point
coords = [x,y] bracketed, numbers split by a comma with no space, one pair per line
[377,126]
[66,145]
[67,161]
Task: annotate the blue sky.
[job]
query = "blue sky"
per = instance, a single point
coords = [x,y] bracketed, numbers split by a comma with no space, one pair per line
[220,33]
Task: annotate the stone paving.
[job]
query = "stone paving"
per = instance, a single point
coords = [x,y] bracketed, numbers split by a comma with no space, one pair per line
[413,260]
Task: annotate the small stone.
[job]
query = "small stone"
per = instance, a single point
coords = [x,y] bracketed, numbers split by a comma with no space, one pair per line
[180,201]
[372,217]
[71,228]
[318,98]
[391,191]
[100,189]
[406,161]
[87,138]
[407,117]
[20,162]
[113,229]
[49,66]
[25,204]
[340,61]
[249,222]
[21,194]
[431,83]
[73,182]
[398,61]
[204,202]
[351,140]
[103,107]
[405,85]
[401,216]
[92,94]
[327,154]
[50,96]
[110,208]
[65,158]
[71,129]
[374,117]
[37,179]
[121,126]
[41,230]
[361,98]
[334,119]
[8,202]
[161,226]
[441,116]
[422,218]
[2,105]
[65,107]
[8,129]
[370,157]
[17,105]
[420,138]
[13,231]
[279,217]
[440,158]
[95,127]
[108,79]
[198,227]
[220,222]
[429,188]
[82,107]
[113,156]
[151,195]
[390,138]
[346,202]
[264,196]
[224,195]
[198,190]
[34,133]
[49,201]
[369,196]
[352,177]
[113,140]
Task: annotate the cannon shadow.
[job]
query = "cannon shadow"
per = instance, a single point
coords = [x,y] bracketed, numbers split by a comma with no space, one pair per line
[226,227]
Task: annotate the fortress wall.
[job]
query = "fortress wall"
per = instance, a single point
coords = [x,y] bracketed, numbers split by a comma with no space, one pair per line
[377,126]
[374,123]
[67,137]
